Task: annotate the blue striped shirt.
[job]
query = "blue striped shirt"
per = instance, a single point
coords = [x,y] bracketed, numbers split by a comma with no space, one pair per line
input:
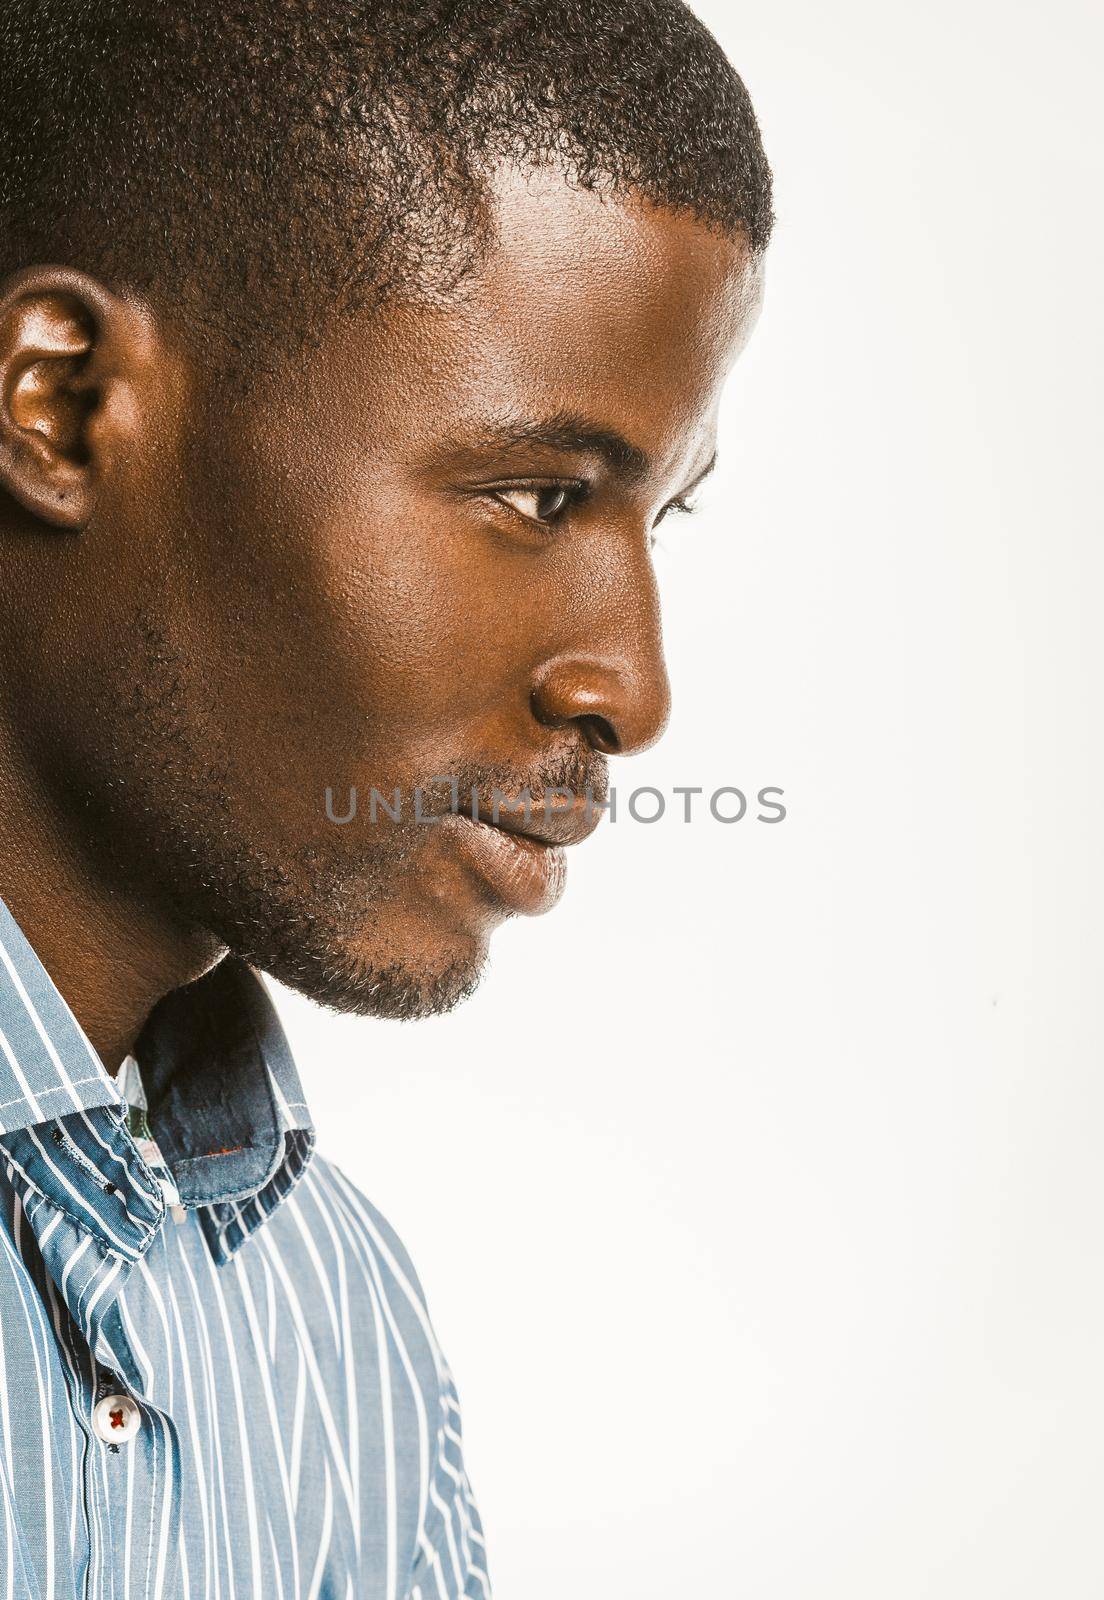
[218,1379]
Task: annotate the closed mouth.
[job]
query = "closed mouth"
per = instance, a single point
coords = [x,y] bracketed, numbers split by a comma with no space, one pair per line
[552,825]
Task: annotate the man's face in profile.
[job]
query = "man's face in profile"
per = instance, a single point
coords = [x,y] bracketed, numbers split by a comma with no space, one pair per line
[420,554]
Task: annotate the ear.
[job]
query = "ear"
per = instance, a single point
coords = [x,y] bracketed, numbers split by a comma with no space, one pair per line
[70,351]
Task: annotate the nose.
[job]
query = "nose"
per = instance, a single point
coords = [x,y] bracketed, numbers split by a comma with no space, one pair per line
[620,705]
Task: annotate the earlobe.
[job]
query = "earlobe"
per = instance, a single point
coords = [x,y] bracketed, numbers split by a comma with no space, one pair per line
[56,329]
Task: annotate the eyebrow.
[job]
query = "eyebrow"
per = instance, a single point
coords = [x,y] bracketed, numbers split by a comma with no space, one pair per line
[572,434]
[578,435]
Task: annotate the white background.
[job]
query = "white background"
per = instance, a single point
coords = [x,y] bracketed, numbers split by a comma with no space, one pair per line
[759,1195]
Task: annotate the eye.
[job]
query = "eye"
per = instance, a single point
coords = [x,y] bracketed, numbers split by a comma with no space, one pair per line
[682,507]
[540,502]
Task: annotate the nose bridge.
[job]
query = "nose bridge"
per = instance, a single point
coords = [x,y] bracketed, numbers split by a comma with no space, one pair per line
[610,677]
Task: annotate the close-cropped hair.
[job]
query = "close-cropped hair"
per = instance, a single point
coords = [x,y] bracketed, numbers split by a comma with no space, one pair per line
[251,165]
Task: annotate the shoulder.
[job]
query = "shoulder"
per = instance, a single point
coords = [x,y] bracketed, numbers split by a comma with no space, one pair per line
[362,1259]
[369,1224]
[363,1270]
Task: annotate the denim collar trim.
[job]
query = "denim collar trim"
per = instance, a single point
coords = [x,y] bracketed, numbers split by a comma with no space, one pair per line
[226,1105]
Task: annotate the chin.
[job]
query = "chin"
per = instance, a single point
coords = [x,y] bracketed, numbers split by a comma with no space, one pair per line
[382,948]
[393,984]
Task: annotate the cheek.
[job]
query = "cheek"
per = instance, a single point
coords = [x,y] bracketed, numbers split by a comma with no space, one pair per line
[400,621]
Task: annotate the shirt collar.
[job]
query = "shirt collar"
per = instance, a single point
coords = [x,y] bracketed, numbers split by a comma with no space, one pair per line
[225,1102]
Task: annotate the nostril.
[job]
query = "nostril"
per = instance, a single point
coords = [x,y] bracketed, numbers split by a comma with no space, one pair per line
[601,734]
[591,697]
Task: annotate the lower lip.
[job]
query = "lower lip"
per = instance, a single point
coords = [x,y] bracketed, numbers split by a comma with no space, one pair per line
[525,876]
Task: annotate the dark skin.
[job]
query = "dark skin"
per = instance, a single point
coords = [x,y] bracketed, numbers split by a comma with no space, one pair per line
[422,551]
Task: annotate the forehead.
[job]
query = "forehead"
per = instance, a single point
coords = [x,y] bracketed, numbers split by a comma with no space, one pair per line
[583,303]
[637,272]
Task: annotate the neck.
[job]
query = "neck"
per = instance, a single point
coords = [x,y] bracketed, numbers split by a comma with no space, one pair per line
[110,951]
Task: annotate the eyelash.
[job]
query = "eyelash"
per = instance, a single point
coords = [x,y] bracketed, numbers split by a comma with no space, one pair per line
[680,507]
[576,494]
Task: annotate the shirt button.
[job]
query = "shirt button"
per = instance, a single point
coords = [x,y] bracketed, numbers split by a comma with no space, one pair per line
[116,1418]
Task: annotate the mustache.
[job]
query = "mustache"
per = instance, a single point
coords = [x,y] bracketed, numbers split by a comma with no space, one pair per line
[583,774]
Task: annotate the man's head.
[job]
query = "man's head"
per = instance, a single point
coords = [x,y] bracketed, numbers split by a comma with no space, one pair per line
[349,355]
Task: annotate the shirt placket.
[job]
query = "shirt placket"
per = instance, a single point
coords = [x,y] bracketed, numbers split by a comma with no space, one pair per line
[132,1493]
[105,1211]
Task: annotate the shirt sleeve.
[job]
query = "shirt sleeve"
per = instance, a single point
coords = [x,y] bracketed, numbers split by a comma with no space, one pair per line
[451,1562]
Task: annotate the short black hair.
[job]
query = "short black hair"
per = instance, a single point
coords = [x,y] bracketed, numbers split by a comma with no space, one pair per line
[255,158]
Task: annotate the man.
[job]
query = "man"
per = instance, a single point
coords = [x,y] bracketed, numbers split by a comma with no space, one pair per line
[351,352]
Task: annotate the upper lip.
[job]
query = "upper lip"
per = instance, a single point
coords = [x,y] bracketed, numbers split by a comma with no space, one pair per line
[557,824]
